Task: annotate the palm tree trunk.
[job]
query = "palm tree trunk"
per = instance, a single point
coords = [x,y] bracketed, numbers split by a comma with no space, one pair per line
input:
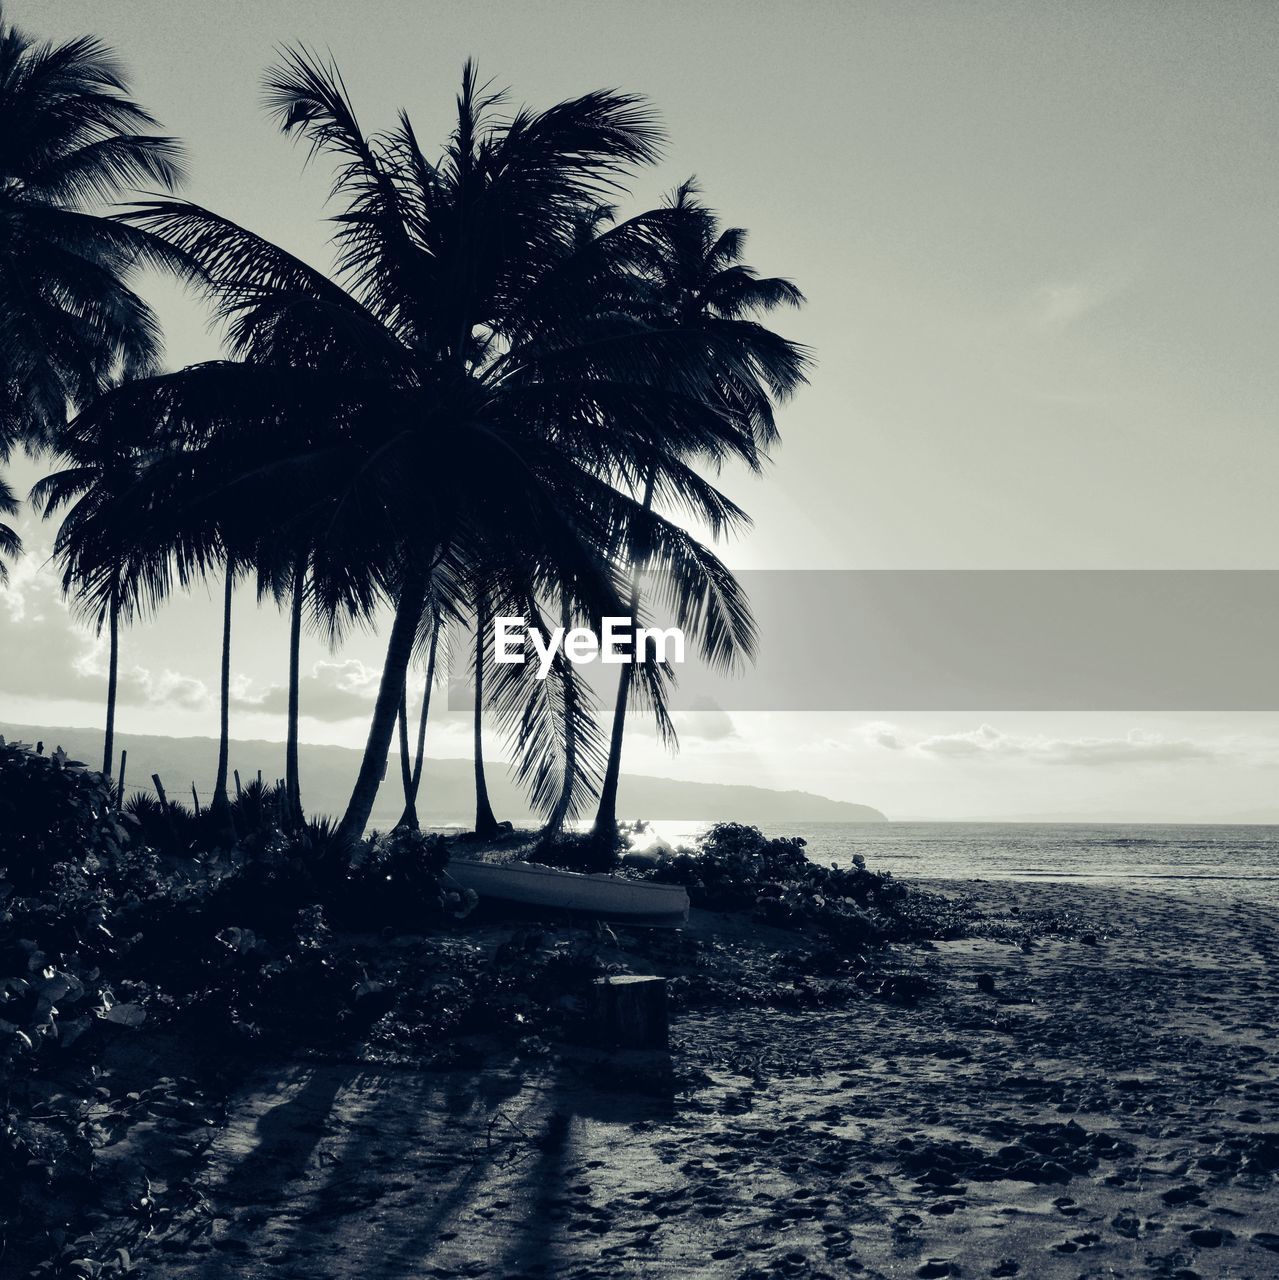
[220,809]
[399,650]
[420,757]
[113,672]
[485,821]
[555,823]
[604,832]
[409,817]
[292,778]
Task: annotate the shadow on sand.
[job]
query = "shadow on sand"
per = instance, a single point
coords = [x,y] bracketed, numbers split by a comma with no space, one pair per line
[339,1171]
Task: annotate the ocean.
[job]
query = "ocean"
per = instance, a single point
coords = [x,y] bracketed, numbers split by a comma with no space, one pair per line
[1221,862]
[1218,861]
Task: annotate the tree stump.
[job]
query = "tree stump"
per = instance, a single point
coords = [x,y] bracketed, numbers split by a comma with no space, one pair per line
[630,1012]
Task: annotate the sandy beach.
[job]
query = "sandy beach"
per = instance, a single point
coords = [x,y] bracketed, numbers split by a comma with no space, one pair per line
[1087,1089]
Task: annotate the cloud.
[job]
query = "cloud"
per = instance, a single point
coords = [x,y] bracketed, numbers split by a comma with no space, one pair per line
[705,723]
[330,691]
[1135,748]
[987,742]
[880,734]
[45,652]
[140,686]
[1061,303]
[982,741]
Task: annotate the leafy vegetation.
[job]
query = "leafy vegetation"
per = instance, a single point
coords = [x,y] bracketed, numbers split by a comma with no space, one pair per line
[737,868]
[48,805]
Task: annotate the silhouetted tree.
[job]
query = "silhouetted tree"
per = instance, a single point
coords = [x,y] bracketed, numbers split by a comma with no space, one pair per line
[70,137]
[477,403]
[700,284]
[10,542]
[109,581]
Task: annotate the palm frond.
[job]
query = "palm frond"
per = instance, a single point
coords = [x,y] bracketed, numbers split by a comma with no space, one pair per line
[551,725]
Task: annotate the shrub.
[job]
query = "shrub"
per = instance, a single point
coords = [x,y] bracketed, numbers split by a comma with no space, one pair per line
[737,868]
[394,880]
[52,808]
[575,851]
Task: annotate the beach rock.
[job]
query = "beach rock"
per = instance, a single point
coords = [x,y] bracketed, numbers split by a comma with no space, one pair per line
[1051,1171]
[936,1267]
[904,988]
[1210,1237]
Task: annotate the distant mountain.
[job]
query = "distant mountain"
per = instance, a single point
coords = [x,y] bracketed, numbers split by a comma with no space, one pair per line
[447,794]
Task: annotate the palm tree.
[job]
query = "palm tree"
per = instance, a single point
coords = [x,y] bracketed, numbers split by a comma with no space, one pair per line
[10,542]
[70,136]
[291,572]
[700,283]
[108,588]
[472,395]
[121,554]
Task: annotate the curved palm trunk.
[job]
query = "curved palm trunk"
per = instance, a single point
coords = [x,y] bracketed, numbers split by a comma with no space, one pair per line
[604,832]
[399,650]
[412,781]
[220,809]
[113,672]
[485,821]
[292,779]
[408,819]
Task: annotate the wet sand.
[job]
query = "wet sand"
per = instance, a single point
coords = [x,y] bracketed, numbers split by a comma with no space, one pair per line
[1101,1104]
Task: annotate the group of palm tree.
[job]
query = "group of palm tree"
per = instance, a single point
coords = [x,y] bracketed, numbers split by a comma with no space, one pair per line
[506,398]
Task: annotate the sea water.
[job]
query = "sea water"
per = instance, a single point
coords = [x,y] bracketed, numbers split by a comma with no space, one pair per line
[1220,861]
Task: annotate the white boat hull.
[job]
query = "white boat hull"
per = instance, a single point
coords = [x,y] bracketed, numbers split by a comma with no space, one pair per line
[608,896]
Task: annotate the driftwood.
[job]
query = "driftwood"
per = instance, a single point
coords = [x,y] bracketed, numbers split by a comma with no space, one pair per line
[629,1012]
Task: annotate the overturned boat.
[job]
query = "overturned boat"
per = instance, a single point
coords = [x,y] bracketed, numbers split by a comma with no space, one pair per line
[609,897]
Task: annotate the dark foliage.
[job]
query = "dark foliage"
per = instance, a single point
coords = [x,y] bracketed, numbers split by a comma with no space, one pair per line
[738,868]
[227,953]
[575,851]
[49,804]
[527,992]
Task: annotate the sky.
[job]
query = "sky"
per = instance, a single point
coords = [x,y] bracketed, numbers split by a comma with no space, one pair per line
[1038,246]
